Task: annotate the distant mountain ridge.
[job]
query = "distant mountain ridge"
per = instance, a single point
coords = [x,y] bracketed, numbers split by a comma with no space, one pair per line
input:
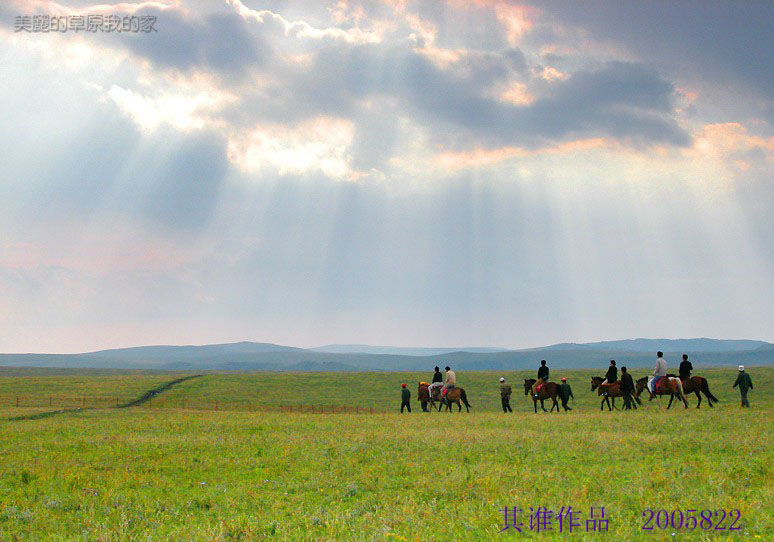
[251,356]
[399,350]
[666,345]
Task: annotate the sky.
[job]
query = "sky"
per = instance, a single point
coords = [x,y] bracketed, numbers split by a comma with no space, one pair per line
[439,173]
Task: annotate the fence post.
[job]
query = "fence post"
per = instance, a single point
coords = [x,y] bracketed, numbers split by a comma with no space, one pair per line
[17,400]
[83,402]
[357,410]
[216,405]
[49,402]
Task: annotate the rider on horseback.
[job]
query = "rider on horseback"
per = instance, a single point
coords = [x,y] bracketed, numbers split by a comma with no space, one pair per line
[685,368]
[437,381]
[451,381]
[611,375]
[542,378]
[659,372]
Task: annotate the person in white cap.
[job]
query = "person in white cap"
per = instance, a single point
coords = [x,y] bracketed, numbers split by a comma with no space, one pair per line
[505,395]
[745,383]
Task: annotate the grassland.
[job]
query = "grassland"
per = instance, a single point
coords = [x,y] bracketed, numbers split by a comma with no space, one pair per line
[183,474]
[74,388]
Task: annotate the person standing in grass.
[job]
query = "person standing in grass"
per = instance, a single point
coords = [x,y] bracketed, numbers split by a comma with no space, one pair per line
[627,388]
[405,398]
[566,392]
[745,383]
[505,395]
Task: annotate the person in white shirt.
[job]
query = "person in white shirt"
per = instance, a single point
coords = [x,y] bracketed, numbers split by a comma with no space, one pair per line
[659,372]
[451,381]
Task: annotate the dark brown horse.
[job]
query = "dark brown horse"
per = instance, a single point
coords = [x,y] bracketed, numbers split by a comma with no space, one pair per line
[697,384]
[609,391]
[454,395]
[672,386]
[549,390]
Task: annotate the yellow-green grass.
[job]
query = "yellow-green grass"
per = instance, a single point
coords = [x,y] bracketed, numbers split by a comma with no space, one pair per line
[85,388]
[174,474]
[381,391]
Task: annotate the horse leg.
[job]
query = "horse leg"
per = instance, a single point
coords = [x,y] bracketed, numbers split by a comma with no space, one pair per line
[534,403]
[671,397]
[459,406]
[698,396]
[543,406]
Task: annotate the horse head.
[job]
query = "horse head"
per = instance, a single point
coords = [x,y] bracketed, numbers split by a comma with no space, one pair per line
[595,381]
[528,385]
[640,385]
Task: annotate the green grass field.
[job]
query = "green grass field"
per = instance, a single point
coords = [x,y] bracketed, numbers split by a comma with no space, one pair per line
[150,473]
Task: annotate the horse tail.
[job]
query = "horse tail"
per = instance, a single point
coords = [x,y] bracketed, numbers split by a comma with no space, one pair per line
[705,389]
[464,398]
[680,387]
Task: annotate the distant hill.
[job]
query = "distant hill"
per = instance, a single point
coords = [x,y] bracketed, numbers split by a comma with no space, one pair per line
[398,350]
[248,356]
[666,345]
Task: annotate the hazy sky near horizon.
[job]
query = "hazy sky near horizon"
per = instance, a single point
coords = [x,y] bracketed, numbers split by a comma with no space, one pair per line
[436,173]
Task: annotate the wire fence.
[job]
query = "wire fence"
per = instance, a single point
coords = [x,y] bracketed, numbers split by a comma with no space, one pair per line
[97,402]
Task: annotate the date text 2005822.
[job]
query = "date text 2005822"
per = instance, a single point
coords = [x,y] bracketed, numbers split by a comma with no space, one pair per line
[692,519]
[568,519]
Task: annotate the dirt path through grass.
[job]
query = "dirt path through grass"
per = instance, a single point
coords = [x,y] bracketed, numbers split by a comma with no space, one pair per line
[147,396]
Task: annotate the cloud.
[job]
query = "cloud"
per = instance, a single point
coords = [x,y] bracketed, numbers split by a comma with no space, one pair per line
[402,172]
[302,29]
[722,41]
[221,43]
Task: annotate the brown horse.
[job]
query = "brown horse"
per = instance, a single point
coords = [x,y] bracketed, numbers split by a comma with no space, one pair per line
[549,390]
[697,384]
[671,387]
[454,395]
[609,391]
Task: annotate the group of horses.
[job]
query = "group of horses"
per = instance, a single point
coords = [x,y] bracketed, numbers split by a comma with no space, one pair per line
[671,385]
[452,396]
